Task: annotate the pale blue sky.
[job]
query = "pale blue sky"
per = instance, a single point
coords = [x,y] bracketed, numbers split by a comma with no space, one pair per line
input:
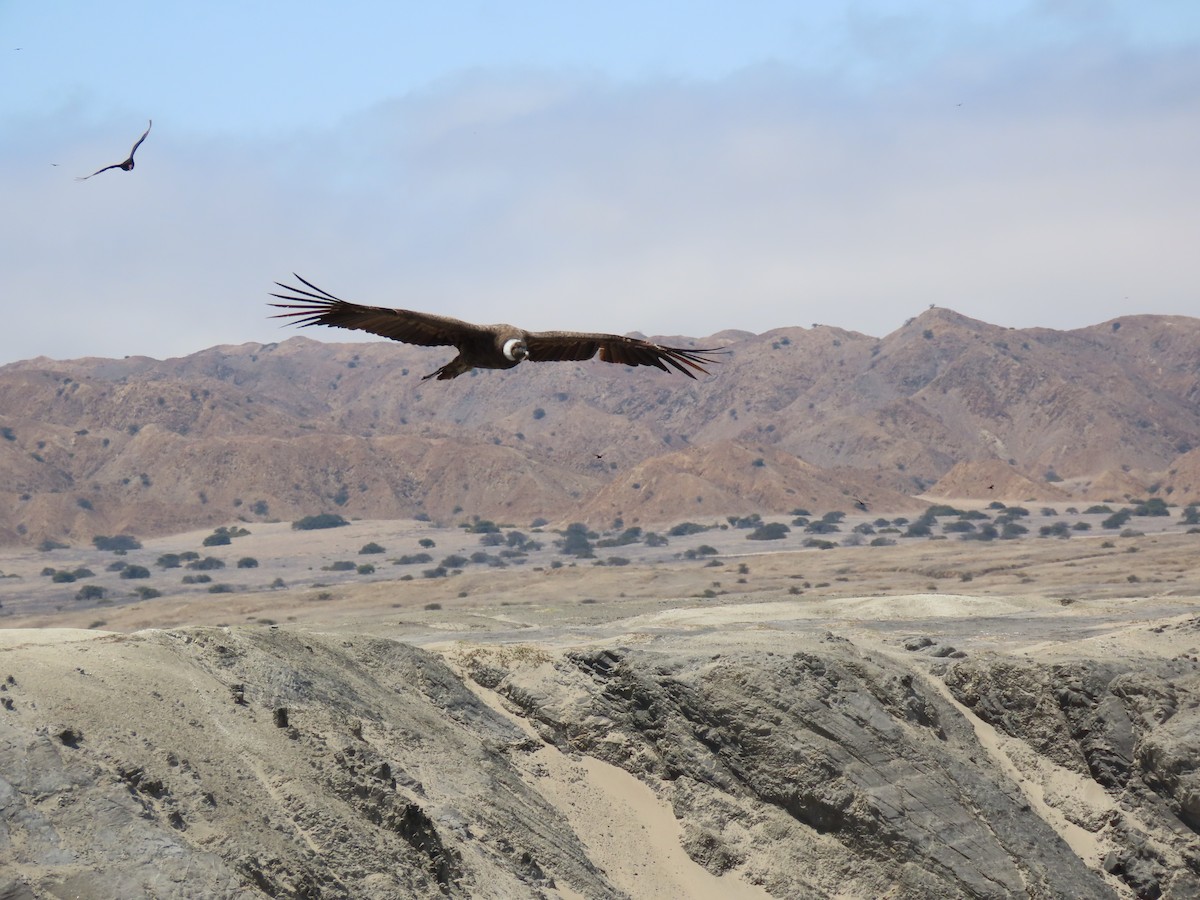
[671,167]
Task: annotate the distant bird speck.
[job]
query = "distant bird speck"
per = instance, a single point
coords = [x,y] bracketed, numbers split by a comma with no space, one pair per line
[128,164]
[482,346]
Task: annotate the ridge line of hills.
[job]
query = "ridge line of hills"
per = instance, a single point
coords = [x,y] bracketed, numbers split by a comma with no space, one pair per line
[821,418]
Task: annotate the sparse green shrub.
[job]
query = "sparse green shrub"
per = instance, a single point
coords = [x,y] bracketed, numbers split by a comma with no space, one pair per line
[685,528]
[90,592]
[135,572]
[371,548]
[247,562]
[939,510]
[1058,529]
[771,531]
[822,527]
[1155,506]
[206,564]
[1116,520]
[216,540]
[577,541]
[117,542]
[321,520]
[985,532]
[342,565]
[961,525]
[628,536]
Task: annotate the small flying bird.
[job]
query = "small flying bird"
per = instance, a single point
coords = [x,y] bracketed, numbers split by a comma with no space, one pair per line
[481,346]
[128,164]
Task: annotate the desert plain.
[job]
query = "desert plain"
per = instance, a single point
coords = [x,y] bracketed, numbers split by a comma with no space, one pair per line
[709,717]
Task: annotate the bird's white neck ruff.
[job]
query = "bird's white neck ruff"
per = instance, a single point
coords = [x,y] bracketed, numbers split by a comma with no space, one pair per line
[510,347]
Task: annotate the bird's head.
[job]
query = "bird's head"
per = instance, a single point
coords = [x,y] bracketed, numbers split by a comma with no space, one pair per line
[515,349]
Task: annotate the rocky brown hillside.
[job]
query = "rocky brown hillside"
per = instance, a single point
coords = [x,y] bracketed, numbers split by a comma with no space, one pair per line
[793,416]
[257,762]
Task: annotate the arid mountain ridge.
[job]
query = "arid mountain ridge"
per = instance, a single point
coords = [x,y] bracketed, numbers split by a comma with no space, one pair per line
[821,418]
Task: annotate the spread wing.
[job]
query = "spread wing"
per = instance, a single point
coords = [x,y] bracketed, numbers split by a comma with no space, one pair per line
[318,307]
[142,138]
[546,346]
[97,172]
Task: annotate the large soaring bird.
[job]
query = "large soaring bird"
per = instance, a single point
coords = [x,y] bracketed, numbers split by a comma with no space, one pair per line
[481,346]
[128,164]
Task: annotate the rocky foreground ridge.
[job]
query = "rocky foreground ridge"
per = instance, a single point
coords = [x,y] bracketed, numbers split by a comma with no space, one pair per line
[797,417]
[255,761]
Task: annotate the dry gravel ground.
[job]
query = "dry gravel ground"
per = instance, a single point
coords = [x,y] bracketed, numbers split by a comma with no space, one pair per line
[931,719]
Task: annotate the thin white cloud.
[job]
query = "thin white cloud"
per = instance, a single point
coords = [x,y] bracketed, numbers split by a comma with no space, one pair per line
[1061,192]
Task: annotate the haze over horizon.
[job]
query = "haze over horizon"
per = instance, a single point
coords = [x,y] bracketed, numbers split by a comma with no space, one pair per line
[601,167]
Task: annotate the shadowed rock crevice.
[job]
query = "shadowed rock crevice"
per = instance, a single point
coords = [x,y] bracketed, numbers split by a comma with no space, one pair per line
[1132,727]
[867,762]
